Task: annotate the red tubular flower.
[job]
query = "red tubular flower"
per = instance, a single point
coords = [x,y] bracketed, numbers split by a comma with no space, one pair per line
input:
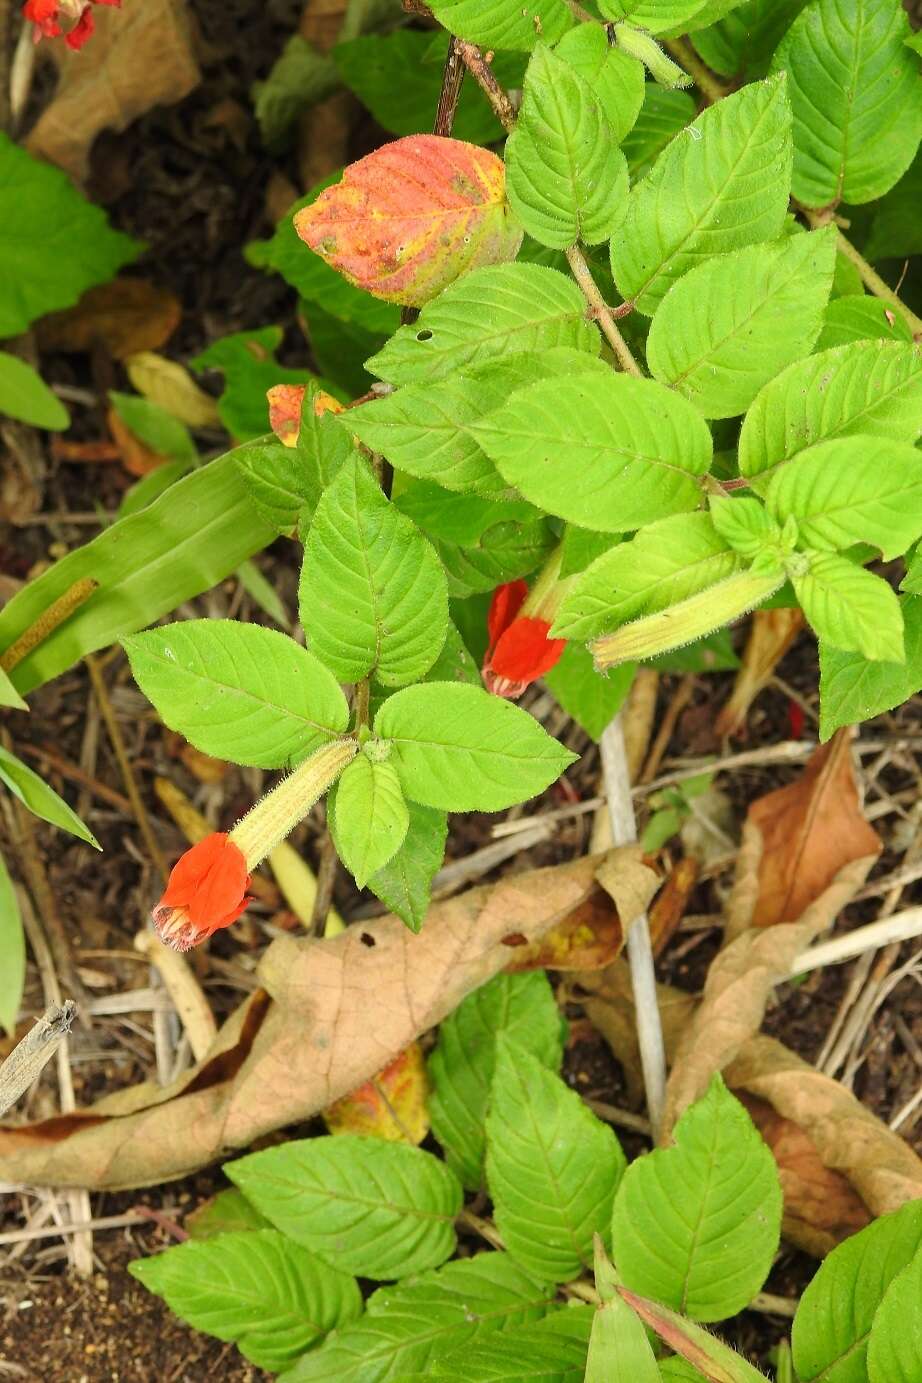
[46,15]
[519,651]
[207,890]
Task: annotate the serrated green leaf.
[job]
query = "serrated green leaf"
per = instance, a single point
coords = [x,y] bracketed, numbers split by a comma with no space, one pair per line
[830,1334]
[619,1351]
[636,446]
[721,185]
[852,490]
[855,95]
[850,608]
[552,1351]
[589,697]
[155,427]
[666,562]
[854,688]
[238,691]
[26,396]
[459,748]
[656,16]
[500,310]
[896,230]
[565,177]
[662,115]
[745,524]
[493,24]
[225,1213]
[385,1210]
[866,387]
[616,80]
[895,1346]
[481,542]
[552,1166]
[719,1363]
[44,218]
[726,328]
[373,594]
[267,1294]
[13,951]
[182,544]
[580,547]
[714,1199]
[408,1328]
[743,42]
[371,817]
[405,882]
[461,1066]
[855,318]
[42,800]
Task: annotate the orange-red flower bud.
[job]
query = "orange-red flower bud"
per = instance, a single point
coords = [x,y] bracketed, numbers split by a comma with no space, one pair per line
[519,651]
[207,890]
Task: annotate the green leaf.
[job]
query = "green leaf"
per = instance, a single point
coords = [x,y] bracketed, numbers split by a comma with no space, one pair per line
[371,817]
[155,427]
[183,543]
[262,592]
[44,219]
[397,77]
[565,178]
[850,608]
[13,952]
[637,447]
[726,328]
[707,1251]
[552,1166]
[855,95]
[852,490]
[151,487]
[896,230]
[285,483]
[678,1370]
[26,396]
[42,800]
[895,1346]
[551,1351]
[225,1213]
[743,42]
[912,581]
[409,1327]
[493,24]
[745,524]
[9,696]
[854,688]
[247,361]
[662,116]
[405,882]
[721,185]
[866,387]
[238,691]
[373,594]
[718,1361]
[481,542]
[580,547]
[500,310]
[619,1351]
[298,79]
[656,16]
[666,562]
[617,82]
[586,695]
[385,1210]
[461,1067]
[829,1337]
[268,1295]
[854,318]
[463,750]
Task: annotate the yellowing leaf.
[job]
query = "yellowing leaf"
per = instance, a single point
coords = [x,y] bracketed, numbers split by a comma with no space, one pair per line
[169,384]
[392,1105]
[410,218]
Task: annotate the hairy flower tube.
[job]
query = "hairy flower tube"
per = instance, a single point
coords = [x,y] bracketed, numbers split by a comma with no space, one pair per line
[207,888]
[518,624]
[46,16]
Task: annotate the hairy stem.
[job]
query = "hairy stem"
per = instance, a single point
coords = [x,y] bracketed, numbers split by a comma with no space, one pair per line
[480,70]
[602,312]
[711,88]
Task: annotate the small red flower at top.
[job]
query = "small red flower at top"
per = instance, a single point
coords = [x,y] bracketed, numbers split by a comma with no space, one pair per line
[519,651]
[46,16]
[207,890]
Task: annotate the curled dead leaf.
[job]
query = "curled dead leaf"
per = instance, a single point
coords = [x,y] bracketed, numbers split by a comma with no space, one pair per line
[408,219]
[136,456]
[124,316]
[590,938]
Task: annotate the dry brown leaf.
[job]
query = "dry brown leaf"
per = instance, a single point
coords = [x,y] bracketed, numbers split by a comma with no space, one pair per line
[169,384]
[821,1207]
[629,881]
[671,902]
[590,938]
[392,1105]
[878,1163]
[332,1013]
[124,316]
[771,633]
[136,456]
[808,832]
[141,56]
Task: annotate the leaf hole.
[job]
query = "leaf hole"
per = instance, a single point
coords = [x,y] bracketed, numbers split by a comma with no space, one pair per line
[424,335]
[367,939]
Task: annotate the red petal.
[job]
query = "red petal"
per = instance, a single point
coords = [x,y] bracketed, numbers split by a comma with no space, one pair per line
[524,652]
[208,881]
[82,30]
[506,603]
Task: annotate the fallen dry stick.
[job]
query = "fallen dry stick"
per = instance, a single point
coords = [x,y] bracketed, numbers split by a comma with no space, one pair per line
[30,1055]
[184,989]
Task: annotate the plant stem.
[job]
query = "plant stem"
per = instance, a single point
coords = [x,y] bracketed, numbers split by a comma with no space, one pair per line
[639,949]
[869,276]
[450,92]
[711,89]
[602,311]
[480,70]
